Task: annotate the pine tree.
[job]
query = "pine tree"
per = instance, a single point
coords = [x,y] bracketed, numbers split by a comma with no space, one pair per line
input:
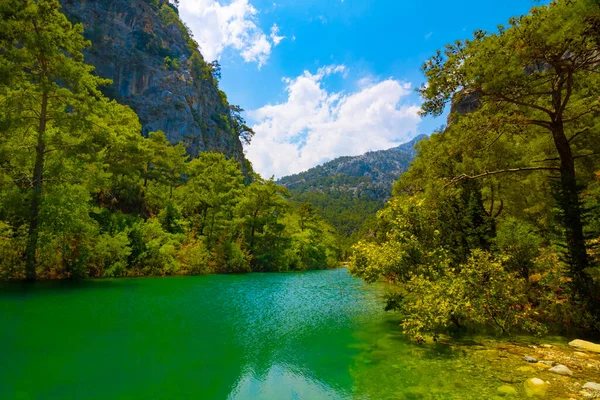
[47,89]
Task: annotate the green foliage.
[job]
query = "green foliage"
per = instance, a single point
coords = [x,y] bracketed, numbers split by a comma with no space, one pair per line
[171,64]
[348,191]
[12,247]
[84,194]
[541,96]
[478,294]
[494,225]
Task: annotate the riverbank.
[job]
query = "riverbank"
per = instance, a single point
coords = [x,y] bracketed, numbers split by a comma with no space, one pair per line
[483,368]
[554,371]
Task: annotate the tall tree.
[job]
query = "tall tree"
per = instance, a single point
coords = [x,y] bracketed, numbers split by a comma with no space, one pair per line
[538,79]
[46,88]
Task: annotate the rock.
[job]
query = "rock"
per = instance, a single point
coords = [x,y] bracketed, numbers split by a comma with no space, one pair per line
[561,370]
[506,379]
[130,40]
[546,346]
[585,346]
[550,363]
[530,359]
[506,390]
[592,386]
[535,387]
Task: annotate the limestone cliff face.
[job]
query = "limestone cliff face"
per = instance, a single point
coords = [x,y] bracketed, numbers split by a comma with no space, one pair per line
[130,41]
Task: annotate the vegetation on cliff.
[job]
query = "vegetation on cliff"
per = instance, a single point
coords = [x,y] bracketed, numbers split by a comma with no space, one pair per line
[84,194]
[495,224]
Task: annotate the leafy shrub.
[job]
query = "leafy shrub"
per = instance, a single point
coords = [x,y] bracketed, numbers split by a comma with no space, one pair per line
[110,255]
[194,258]
[480,294]
[12,247]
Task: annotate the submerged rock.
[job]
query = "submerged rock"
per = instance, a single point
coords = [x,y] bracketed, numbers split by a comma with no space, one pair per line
[585,346]
[535,387]
[592,386]
[507,390]
[530,359]
[561,370]
[549,363]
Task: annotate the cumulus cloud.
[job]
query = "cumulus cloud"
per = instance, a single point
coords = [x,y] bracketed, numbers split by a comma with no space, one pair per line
[275,35]
[314,125]
[217,27]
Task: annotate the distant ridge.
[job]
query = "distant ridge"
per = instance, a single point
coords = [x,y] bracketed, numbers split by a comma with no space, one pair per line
[347,189]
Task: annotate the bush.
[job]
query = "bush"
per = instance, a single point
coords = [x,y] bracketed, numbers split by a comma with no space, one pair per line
[110,255]
[194,258]
[481,294]
[12,248]
[160,255]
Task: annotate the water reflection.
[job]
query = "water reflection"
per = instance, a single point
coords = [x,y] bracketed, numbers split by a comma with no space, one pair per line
[267,336]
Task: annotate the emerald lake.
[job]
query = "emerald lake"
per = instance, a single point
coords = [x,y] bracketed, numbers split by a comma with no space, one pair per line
[311,335]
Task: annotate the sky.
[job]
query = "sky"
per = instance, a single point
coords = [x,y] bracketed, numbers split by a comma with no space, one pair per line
[321,79]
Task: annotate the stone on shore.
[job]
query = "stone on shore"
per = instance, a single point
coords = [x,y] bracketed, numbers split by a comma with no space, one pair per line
[585,346]
[592,386]
[535,387]
[507,390]
[561,370]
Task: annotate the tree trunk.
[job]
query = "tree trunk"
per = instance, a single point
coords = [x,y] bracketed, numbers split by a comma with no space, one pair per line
[37,182]
[572,218]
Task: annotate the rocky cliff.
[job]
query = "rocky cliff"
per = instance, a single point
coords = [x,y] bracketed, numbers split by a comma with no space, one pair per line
[156,69]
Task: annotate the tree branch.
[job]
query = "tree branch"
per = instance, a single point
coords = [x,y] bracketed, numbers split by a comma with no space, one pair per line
[577,134]
[517,102]
[501,171]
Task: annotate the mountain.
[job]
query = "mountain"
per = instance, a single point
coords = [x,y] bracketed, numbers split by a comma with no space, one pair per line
[157,70]
[348,190]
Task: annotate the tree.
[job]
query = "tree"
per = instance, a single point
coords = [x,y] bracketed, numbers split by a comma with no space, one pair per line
[537,79]
[306,215]
[239,124]
[260,212]
[47,88]
[214,185]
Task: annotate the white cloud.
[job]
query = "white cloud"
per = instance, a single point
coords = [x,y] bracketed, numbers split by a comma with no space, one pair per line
[313,125]
[274,35]
[217,27]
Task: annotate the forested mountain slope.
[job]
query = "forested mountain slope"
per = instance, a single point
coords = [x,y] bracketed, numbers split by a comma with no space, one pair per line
[157,70]
[85,191]
[348,190]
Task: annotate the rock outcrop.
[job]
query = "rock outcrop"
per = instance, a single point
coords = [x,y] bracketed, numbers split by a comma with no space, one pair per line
[585,346]
[131,40]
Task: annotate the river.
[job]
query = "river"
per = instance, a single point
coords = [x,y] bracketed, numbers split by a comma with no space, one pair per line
[311,335]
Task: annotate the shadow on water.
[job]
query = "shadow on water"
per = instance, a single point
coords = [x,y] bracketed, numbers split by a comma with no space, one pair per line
[19,289]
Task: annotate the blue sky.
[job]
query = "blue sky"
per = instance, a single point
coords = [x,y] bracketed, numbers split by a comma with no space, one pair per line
[325,78]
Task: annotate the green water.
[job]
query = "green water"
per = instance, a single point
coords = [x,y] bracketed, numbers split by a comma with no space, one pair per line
[314,335]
